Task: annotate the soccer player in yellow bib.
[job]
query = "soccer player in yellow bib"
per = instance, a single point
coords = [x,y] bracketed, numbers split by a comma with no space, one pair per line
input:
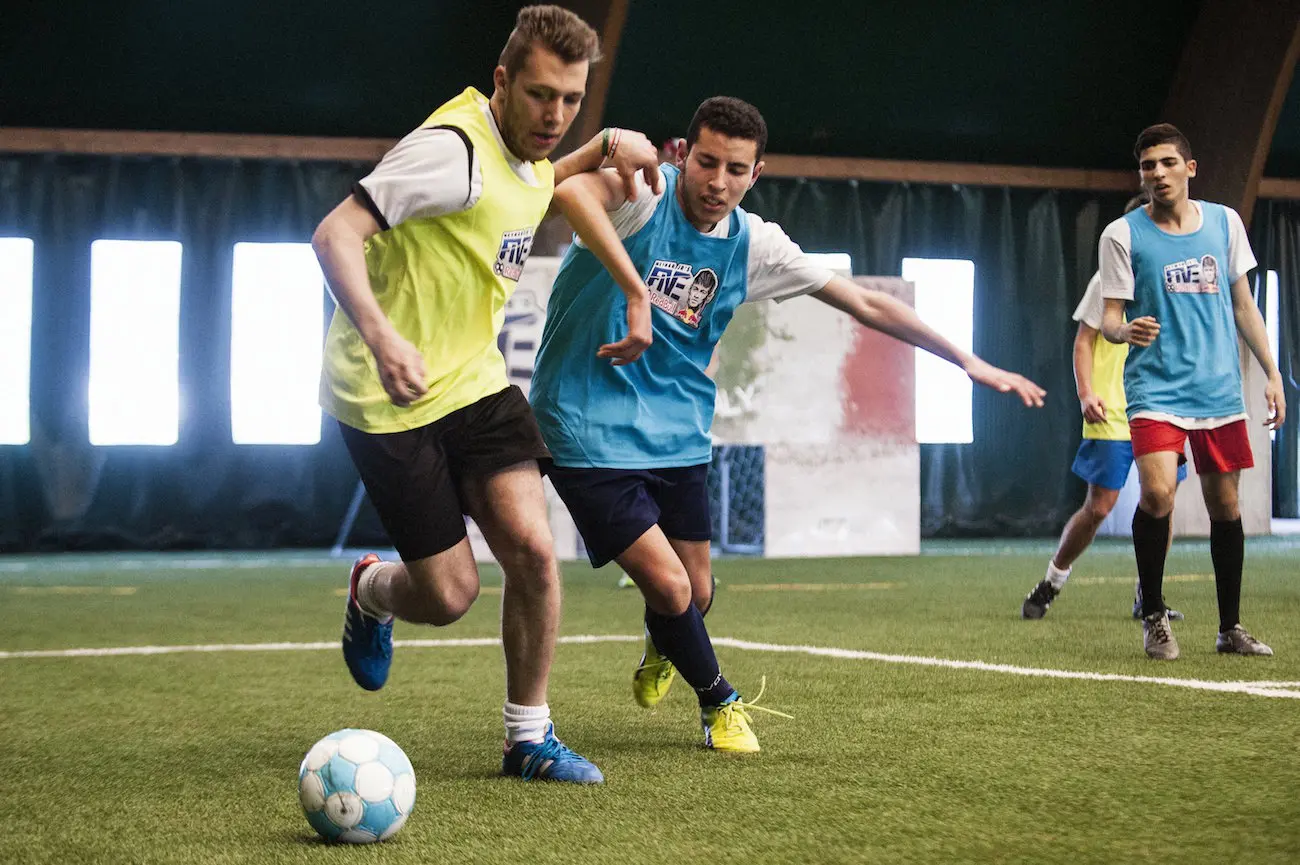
[422,258]
[1106,453]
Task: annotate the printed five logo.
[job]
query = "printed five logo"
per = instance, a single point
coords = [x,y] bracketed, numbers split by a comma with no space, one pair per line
[513,253]
[1193,276]
[681,291]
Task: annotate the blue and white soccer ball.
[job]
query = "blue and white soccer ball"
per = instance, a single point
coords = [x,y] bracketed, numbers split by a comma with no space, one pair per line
[356,786]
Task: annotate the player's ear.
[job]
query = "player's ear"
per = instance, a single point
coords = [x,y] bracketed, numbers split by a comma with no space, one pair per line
[1191,168]
[499,78]
[679,152]
[758,169]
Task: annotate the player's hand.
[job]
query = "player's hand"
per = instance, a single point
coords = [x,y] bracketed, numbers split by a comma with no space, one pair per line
[1002,381]
[636,155]
[1275,397]
[1094,410]
[639,335]
[401,369]
[1141,331]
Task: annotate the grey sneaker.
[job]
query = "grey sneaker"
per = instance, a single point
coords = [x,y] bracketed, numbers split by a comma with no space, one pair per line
[1157,638]
[1235,640]
[1174,615]
[1037,601]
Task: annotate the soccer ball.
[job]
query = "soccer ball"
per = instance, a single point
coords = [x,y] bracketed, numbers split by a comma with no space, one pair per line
[356,786]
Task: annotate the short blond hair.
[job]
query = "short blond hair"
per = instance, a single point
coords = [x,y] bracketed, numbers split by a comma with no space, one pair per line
[558,30]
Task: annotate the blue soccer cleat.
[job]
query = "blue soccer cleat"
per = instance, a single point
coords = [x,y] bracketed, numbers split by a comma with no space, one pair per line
[367,641]
[549,760]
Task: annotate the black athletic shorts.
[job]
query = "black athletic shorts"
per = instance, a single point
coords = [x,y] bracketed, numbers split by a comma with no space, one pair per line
[413,477]
[614,507]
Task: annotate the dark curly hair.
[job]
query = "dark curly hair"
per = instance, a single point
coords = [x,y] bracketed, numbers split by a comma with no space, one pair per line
[732,117]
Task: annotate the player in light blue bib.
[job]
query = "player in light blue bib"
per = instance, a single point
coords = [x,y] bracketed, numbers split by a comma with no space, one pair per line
[630,440]
[1173,274]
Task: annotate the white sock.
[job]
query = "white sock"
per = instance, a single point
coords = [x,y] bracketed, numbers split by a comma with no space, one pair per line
[374,594]
[1056,576]
[526,723]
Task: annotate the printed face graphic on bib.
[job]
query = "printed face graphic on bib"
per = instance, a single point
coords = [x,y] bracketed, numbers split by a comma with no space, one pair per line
[680,291]
[1193,276]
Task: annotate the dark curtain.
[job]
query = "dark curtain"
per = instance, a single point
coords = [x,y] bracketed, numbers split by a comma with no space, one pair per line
[1034,251]
[59,492]
[1275,237]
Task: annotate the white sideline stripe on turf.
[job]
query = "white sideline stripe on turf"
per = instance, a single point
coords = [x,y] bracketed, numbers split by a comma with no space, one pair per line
[1259,689]
[1289,690]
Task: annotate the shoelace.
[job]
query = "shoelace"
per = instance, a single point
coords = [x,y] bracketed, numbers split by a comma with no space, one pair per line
[552,750]
[742,707]
[1043,593]
[1160,629]
[664,671]
[377,632]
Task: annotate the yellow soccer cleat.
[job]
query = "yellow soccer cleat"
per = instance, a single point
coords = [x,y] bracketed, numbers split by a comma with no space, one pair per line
[727,727]
[653,678]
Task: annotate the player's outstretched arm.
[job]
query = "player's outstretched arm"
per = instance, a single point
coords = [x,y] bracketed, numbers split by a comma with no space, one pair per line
[629,153]
[339,244]
[585,200]
[1250,324]
[1094,410]
[879,311]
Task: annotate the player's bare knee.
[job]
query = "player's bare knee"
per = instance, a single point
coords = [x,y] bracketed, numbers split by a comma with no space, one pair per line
[1158,501]
[1095,512]
[530,566]
[1223,511]
[444,601]
[668,594]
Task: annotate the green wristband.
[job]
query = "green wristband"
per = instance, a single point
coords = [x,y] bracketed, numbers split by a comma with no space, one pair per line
[604,142]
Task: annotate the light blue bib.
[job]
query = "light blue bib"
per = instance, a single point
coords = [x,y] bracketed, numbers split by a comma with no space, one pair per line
[657,411]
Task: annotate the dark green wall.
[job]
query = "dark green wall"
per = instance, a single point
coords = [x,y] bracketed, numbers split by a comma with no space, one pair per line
[1051,82]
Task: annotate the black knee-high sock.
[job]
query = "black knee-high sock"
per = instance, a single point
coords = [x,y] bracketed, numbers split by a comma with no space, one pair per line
[685,641]
[704,612]
[1227,549]
[1150,544]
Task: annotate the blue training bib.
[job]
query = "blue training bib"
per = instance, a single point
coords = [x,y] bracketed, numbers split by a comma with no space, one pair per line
[657,411]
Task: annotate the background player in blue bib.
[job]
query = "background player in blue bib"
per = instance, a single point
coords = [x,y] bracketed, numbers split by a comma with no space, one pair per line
[1177,268]
[630,440]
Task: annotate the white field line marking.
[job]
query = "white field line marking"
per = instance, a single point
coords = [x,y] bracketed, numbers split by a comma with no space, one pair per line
[1290,690]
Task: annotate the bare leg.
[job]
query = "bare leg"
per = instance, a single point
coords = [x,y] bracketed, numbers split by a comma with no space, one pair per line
[435,590]
[510,508]
[698,560]
[1082,526]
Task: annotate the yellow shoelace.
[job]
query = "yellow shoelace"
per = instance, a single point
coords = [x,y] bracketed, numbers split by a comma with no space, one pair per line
[743,707]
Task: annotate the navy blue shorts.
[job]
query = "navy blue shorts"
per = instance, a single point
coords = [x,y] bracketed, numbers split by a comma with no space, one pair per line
[1104,463]
[614,507]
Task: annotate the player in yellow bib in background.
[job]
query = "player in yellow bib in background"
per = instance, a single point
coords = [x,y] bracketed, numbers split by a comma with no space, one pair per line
[1106,453]
[422,258]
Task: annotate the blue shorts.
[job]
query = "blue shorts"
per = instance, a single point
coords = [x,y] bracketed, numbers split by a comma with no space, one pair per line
[614,507]
[1105,463]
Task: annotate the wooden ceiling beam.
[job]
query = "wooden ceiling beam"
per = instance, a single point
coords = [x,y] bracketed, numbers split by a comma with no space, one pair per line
[1228,92]
[369,150]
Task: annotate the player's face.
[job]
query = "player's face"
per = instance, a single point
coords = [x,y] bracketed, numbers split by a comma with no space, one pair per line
[716,173]
[539,103]
[1165,174]
[697,295]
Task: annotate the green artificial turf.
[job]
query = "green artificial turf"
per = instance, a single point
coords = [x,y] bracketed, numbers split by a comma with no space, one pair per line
[193,757]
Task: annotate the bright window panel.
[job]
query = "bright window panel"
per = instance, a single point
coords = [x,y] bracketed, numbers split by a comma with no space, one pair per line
[135,304]
[15,340]
[277,321]
[840,262]
[945,300]
[1271,322]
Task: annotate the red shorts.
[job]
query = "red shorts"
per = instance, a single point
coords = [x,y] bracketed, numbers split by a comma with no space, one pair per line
[1224,449]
